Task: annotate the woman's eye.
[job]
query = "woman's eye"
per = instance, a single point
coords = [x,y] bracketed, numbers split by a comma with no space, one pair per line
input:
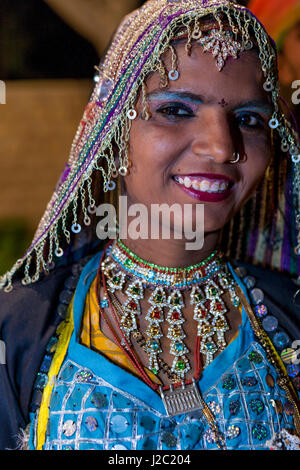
[175,110]
[251,121]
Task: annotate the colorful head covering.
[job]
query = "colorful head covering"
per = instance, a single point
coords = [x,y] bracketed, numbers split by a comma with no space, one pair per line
[222,28]
[277,16]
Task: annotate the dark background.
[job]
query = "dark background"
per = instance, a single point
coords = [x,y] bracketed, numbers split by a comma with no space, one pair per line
[36,43]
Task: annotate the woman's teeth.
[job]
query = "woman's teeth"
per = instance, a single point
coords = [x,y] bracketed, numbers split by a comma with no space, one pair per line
[203,185]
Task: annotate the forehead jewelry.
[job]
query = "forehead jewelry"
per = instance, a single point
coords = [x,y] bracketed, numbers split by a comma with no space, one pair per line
[221,45]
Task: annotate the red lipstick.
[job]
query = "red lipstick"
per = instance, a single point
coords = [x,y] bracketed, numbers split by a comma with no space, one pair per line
[205,196]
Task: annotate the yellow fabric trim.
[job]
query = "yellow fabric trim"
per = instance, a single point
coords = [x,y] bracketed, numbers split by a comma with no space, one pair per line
[64,332]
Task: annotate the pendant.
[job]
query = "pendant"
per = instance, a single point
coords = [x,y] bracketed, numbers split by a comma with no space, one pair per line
[115,279]
[176,334]
[209,312]
[131,308]
[155,317]
[228,283]
[182,399]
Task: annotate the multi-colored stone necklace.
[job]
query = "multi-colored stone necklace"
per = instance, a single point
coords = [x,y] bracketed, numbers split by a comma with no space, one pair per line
[205,283]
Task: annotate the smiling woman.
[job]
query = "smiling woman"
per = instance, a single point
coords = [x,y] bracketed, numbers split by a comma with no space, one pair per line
[143,343]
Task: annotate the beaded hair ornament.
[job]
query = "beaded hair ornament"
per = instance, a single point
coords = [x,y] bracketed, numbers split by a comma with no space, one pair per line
[103,134]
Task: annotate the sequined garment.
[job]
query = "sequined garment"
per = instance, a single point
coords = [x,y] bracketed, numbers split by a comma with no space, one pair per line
[95,404]
[88,412]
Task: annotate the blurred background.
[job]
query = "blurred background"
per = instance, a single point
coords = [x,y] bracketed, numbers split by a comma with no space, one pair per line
[48,50]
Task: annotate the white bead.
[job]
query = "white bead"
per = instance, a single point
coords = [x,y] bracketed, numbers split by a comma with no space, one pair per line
[295,158]
[197,34]
[273,123]
[91,209]
[132,114]
[123,171]
[173,75]
[76,228]
[294,150]
[87,220]
[285,147]
[110,186]
[59,252]
[268,86]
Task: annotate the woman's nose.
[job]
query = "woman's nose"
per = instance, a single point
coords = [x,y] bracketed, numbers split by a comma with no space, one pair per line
[213,135]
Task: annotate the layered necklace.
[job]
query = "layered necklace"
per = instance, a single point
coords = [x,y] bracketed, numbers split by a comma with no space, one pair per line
[203,285]
[171,289]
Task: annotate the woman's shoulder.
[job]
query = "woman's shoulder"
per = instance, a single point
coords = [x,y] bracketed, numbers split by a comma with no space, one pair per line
[279,291]
[37,303]
[32,303]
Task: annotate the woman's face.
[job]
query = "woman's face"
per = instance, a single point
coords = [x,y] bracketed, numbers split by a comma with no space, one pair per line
[182,153]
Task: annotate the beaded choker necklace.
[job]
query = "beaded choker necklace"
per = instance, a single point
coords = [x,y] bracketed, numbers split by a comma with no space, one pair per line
[205,284]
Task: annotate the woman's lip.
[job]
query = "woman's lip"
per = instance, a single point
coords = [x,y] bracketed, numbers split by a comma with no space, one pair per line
[205,196]
[211,176]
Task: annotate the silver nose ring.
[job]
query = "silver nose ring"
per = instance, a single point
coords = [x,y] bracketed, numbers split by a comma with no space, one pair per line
[237,157]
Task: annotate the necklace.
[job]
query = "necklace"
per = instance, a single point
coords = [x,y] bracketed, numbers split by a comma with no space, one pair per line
[141,341]
[181,399]
[176,400]
[204,284]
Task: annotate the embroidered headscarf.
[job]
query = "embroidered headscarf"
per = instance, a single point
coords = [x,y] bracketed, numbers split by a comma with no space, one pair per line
[277,16]
[99,153]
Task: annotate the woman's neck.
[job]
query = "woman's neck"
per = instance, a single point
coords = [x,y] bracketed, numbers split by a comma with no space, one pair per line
[172,253]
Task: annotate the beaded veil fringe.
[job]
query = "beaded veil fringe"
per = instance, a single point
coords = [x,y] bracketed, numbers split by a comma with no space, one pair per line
[103,135]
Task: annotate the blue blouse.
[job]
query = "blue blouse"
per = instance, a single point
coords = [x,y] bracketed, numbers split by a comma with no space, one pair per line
[95,404]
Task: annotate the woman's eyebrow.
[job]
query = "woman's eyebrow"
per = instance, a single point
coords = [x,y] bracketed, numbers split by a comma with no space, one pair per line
[181,95]
[259,105]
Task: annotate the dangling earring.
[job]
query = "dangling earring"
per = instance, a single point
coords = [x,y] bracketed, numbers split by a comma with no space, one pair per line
[173,73]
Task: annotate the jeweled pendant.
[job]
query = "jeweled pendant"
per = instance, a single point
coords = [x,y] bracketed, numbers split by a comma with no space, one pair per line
[175,300]
[128,324]
[217,307]
[132,306]
[197,296]
[135,290]
[115,279]
[208,349]
[178,348]
[180,366]
[175,317]
[155,314]
[201,312]
[212,290]
[220,325]
[205,329]
[158,297]
[176,334]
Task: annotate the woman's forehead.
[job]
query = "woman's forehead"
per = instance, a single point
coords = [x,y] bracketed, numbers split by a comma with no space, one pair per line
[241,77]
